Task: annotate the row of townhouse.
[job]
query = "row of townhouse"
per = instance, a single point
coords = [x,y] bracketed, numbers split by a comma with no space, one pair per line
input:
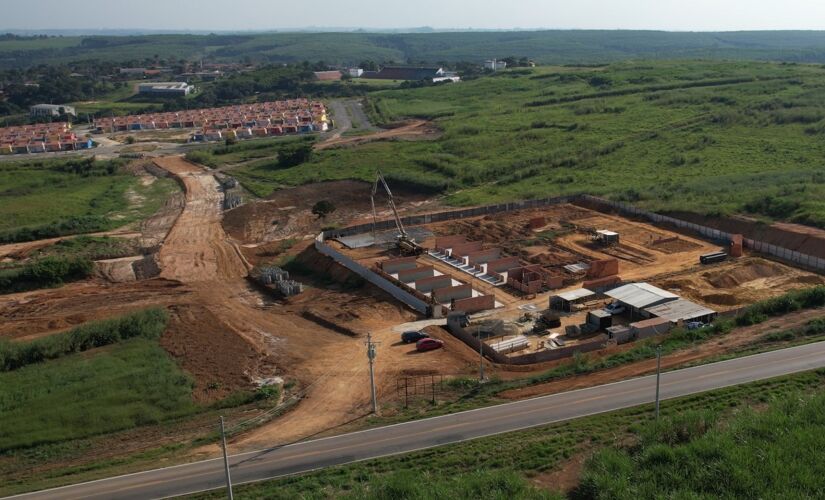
[41,138]
[243,132]
[300,112]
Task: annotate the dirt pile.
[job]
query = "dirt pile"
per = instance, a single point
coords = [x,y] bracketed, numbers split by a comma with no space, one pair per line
[803,239]
[287,213]
[741,275]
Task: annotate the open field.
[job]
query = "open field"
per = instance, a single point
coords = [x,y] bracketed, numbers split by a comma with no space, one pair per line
[664,135]
[44,194]
[105,390]
[349,48]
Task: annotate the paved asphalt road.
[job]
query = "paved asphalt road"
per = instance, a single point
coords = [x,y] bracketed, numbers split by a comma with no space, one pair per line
[416,435]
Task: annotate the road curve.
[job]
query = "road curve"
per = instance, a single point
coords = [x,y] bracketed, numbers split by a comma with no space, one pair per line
[437,431]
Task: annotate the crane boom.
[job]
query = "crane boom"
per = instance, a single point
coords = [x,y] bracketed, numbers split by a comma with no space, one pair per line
[391,202]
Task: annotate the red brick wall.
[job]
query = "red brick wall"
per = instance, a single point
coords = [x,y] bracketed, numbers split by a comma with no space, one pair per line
[415,274]
[465,248]
[449,241]
[392,266]
[429,284]
[475,304]
[502,265]
[603,268]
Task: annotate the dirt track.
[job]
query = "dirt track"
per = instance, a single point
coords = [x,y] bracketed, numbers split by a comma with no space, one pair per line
[412,130]
[330,365]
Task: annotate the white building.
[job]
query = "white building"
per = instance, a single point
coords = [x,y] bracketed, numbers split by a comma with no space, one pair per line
[495,65]
[166,88]
[355,72]
[51,110]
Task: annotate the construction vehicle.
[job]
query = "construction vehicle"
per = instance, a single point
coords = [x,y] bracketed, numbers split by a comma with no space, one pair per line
[405,244]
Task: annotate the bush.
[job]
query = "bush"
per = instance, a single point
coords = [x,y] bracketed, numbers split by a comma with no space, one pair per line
[71,225]
[45,272]
[294,155]
[149,324]
[792,301]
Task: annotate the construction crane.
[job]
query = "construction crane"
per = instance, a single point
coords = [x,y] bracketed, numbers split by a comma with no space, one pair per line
[404,242]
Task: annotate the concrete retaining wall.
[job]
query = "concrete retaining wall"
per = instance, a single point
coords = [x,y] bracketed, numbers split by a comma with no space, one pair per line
[382,283]
[429,284]
[410,275]
[447,294]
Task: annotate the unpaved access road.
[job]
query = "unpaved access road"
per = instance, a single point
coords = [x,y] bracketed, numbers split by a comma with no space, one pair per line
[411,130]
[330,366]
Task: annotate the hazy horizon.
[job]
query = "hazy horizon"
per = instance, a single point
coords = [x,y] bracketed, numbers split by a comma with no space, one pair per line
[388,15]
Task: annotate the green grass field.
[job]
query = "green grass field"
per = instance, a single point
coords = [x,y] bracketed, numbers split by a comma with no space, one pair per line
[702,136]
[38,193]
[105,390]
[756,454]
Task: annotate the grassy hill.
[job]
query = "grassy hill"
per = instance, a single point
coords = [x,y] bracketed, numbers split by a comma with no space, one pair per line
[710,137]
[551,47]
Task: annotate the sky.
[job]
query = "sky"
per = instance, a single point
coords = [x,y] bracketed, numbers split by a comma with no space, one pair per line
[228,15]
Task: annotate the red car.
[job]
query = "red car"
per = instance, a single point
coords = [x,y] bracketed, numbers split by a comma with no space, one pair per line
[428,344]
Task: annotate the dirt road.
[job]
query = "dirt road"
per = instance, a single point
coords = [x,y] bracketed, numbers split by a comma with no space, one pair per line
[197,248]
[414,129]
[330,367]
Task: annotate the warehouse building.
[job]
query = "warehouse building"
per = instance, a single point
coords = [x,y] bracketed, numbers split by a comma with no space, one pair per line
[51,110]
[638,296]
[682,310]
[405,73]
[328,76]
[166,88]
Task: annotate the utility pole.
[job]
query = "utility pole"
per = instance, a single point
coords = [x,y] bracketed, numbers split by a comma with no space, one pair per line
[480,356]
[226,463]
[371,357]
[658,376]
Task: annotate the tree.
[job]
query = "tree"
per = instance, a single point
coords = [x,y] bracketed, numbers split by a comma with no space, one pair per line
[323,208]
[295,155]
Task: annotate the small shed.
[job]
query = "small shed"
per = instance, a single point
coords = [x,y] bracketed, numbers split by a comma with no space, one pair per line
[600,319]
[567,301]
[650,327]
[607,238]
[621,334]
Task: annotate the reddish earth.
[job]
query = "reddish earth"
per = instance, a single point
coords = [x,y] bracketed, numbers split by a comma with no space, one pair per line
[410,130]
[803,239]
[287,213]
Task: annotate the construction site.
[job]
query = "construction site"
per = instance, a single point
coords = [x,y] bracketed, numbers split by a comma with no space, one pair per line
[262,292]
[541,280]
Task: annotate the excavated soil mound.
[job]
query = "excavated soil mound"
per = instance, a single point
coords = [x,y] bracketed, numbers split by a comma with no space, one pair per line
[287,213]
[741,275]
[721,299]
[219,362]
